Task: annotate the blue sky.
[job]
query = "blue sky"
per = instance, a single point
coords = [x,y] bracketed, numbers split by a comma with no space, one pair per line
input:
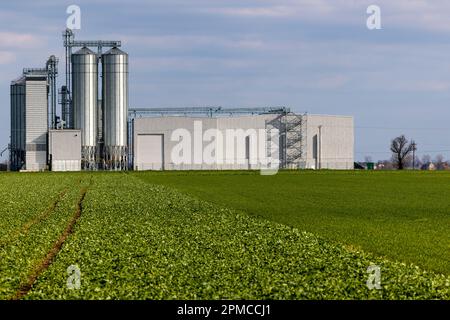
[311,55]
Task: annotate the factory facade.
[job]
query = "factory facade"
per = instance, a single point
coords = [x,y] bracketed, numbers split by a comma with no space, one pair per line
[243,142]
[96,130]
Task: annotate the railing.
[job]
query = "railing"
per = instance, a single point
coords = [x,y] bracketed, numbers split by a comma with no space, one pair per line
[207,111]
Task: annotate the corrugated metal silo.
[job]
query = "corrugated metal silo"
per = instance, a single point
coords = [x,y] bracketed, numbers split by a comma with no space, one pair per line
[115,108]
[17,124]
[84,102]
[36,122]
[29,122]
[14,133]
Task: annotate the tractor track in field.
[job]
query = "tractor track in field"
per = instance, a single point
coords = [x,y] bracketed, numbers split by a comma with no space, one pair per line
[23,230]
[26,286]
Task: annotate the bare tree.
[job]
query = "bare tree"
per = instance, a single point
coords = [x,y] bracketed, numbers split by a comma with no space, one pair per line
[368,159]
[401,149]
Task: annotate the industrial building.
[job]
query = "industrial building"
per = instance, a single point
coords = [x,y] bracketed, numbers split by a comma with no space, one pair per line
[299,141]
[29,123]
[95,129]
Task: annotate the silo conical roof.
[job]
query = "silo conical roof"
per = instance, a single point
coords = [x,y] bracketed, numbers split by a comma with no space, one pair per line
[85,50]
[115,51]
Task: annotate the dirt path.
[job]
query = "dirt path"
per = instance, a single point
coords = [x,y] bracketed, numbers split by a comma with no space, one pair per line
[49,258]
[23,230]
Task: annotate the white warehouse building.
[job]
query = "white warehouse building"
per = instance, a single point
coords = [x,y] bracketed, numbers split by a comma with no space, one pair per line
[236,142]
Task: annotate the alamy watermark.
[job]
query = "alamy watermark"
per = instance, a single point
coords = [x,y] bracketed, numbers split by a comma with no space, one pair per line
[74,279]
[73,22]
[374,20]
[374,280]
[250,148]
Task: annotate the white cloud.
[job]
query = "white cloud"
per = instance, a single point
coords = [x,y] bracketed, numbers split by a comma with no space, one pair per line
[191,41]
[404,14]
[197,65]
[18,40]
[276,9]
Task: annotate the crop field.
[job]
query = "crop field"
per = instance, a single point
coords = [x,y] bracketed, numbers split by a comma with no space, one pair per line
[219,236]
[403,216]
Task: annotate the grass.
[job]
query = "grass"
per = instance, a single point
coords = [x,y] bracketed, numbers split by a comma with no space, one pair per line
[138,239]
[404,216]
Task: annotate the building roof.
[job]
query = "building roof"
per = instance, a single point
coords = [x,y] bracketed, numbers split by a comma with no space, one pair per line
[84,51]
[115,51]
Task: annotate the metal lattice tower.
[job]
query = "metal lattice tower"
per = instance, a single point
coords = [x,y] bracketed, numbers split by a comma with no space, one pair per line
[52,68]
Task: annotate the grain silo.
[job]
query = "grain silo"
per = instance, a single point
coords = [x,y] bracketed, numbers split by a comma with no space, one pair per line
[17,155]
[29,121]
[115,108]
[84,99]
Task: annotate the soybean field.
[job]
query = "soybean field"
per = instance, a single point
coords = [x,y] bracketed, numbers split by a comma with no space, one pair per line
[166,236]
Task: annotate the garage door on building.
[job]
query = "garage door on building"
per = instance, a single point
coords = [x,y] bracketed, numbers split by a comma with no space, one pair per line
[150,152]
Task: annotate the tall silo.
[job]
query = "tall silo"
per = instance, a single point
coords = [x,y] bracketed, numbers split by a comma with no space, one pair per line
[20,124]
[13,143]
[84,103]
[29,122]
[17,152]
[115,108]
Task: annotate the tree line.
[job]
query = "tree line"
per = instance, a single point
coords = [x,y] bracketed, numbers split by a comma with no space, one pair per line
[404,156]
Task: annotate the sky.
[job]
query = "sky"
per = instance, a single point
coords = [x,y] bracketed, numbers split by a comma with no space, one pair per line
[315,56]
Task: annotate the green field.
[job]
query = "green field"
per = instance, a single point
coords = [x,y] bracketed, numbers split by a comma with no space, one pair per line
[225,235]
[403,216]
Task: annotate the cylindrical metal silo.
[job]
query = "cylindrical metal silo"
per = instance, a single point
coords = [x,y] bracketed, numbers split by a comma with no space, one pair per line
[13,143]
[115,108]
[84,103]
[17,151]
[21,122]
